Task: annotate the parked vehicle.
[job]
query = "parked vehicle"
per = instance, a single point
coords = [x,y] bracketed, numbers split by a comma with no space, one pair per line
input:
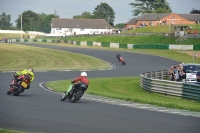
[191,69]
[20,86]
[72,94]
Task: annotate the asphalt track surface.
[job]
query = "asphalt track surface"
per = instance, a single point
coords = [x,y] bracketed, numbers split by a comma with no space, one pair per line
[38,110]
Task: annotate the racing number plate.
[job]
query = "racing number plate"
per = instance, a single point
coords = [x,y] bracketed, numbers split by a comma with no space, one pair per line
[24,84]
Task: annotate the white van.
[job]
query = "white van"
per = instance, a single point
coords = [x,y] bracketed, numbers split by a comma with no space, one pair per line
[191,69]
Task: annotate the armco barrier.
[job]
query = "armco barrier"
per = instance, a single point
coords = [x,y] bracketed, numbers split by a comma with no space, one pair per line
[153,81]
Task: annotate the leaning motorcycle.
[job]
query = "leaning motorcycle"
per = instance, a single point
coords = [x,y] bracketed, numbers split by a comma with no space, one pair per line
[72,94]
[20,86]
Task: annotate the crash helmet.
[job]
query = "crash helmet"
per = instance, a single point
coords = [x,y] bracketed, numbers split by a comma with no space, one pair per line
[84,74]
[30,69]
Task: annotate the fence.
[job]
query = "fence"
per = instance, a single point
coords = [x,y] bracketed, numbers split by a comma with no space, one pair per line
[153,81]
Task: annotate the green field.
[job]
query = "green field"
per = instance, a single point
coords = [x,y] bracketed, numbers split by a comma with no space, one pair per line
[151,39]
[18,57]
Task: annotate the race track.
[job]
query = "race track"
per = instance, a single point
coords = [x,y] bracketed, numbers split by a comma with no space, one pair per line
[41,111]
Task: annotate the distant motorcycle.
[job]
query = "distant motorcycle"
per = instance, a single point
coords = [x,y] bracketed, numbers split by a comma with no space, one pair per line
[121,59]
[72,94]
[20,86]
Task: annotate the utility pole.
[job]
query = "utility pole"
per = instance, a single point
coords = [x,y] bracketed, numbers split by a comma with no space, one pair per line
[21,26]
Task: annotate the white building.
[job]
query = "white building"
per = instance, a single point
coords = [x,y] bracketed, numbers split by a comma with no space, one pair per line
[66,27]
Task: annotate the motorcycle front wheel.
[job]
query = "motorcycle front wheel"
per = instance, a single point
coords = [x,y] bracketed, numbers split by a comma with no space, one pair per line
[63,97]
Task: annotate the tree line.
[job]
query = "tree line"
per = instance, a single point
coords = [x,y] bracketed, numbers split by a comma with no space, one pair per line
[42,22]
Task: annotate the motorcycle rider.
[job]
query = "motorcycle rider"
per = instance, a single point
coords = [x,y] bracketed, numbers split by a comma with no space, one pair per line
[121,59]
[82,79]
[118,56]
[17,77]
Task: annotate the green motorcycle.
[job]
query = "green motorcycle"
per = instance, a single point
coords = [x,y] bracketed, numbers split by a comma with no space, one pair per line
[72,94]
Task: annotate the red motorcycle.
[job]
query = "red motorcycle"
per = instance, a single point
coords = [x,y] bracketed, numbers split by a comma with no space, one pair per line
[121,59]
[23,82]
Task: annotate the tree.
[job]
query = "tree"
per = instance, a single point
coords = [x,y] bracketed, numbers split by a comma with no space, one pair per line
[104,11]
[32,21]
[5,22]
[120,25]
[195,11]
[29,20]
[84,15]
[150,6]
[46,20]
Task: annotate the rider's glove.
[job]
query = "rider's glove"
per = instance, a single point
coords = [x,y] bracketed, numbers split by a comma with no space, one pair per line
[72,81]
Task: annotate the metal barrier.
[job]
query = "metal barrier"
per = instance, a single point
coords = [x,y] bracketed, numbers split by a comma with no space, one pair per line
[153,81]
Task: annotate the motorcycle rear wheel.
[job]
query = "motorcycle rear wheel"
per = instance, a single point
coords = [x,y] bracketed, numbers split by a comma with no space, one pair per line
[77,96]
[18,91]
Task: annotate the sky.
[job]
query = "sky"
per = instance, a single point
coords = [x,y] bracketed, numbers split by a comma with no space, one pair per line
[70,8]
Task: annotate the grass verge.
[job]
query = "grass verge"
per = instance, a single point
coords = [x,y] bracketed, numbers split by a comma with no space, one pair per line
[128,88]
[18,57]
[9,131]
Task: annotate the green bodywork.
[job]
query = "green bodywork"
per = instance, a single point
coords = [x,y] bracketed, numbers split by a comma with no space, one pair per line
[69,89]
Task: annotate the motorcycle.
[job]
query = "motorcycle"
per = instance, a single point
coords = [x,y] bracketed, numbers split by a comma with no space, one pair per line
[119,57]
[20,86]
[72,94]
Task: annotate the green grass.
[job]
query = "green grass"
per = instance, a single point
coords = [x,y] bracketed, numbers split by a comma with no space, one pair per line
[18,57]
[6,35]
[9,131]
[151,39]
[128,88]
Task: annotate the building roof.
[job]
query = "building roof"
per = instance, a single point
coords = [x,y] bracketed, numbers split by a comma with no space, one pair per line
[191,17]
[80,23]
[153,16]
[132,21]
[158,16]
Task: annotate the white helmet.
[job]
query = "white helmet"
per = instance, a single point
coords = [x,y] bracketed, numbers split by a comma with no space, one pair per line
[84,74]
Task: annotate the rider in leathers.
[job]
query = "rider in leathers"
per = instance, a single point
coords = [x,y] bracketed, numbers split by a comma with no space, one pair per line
[17,75]
[82,79]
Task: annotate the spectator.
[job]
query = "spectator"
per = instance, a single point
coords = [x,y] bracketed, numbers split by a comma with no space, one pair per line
[176,74]
[195,31]
[189,31]
[182,74]
[171,73]
[196,21]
